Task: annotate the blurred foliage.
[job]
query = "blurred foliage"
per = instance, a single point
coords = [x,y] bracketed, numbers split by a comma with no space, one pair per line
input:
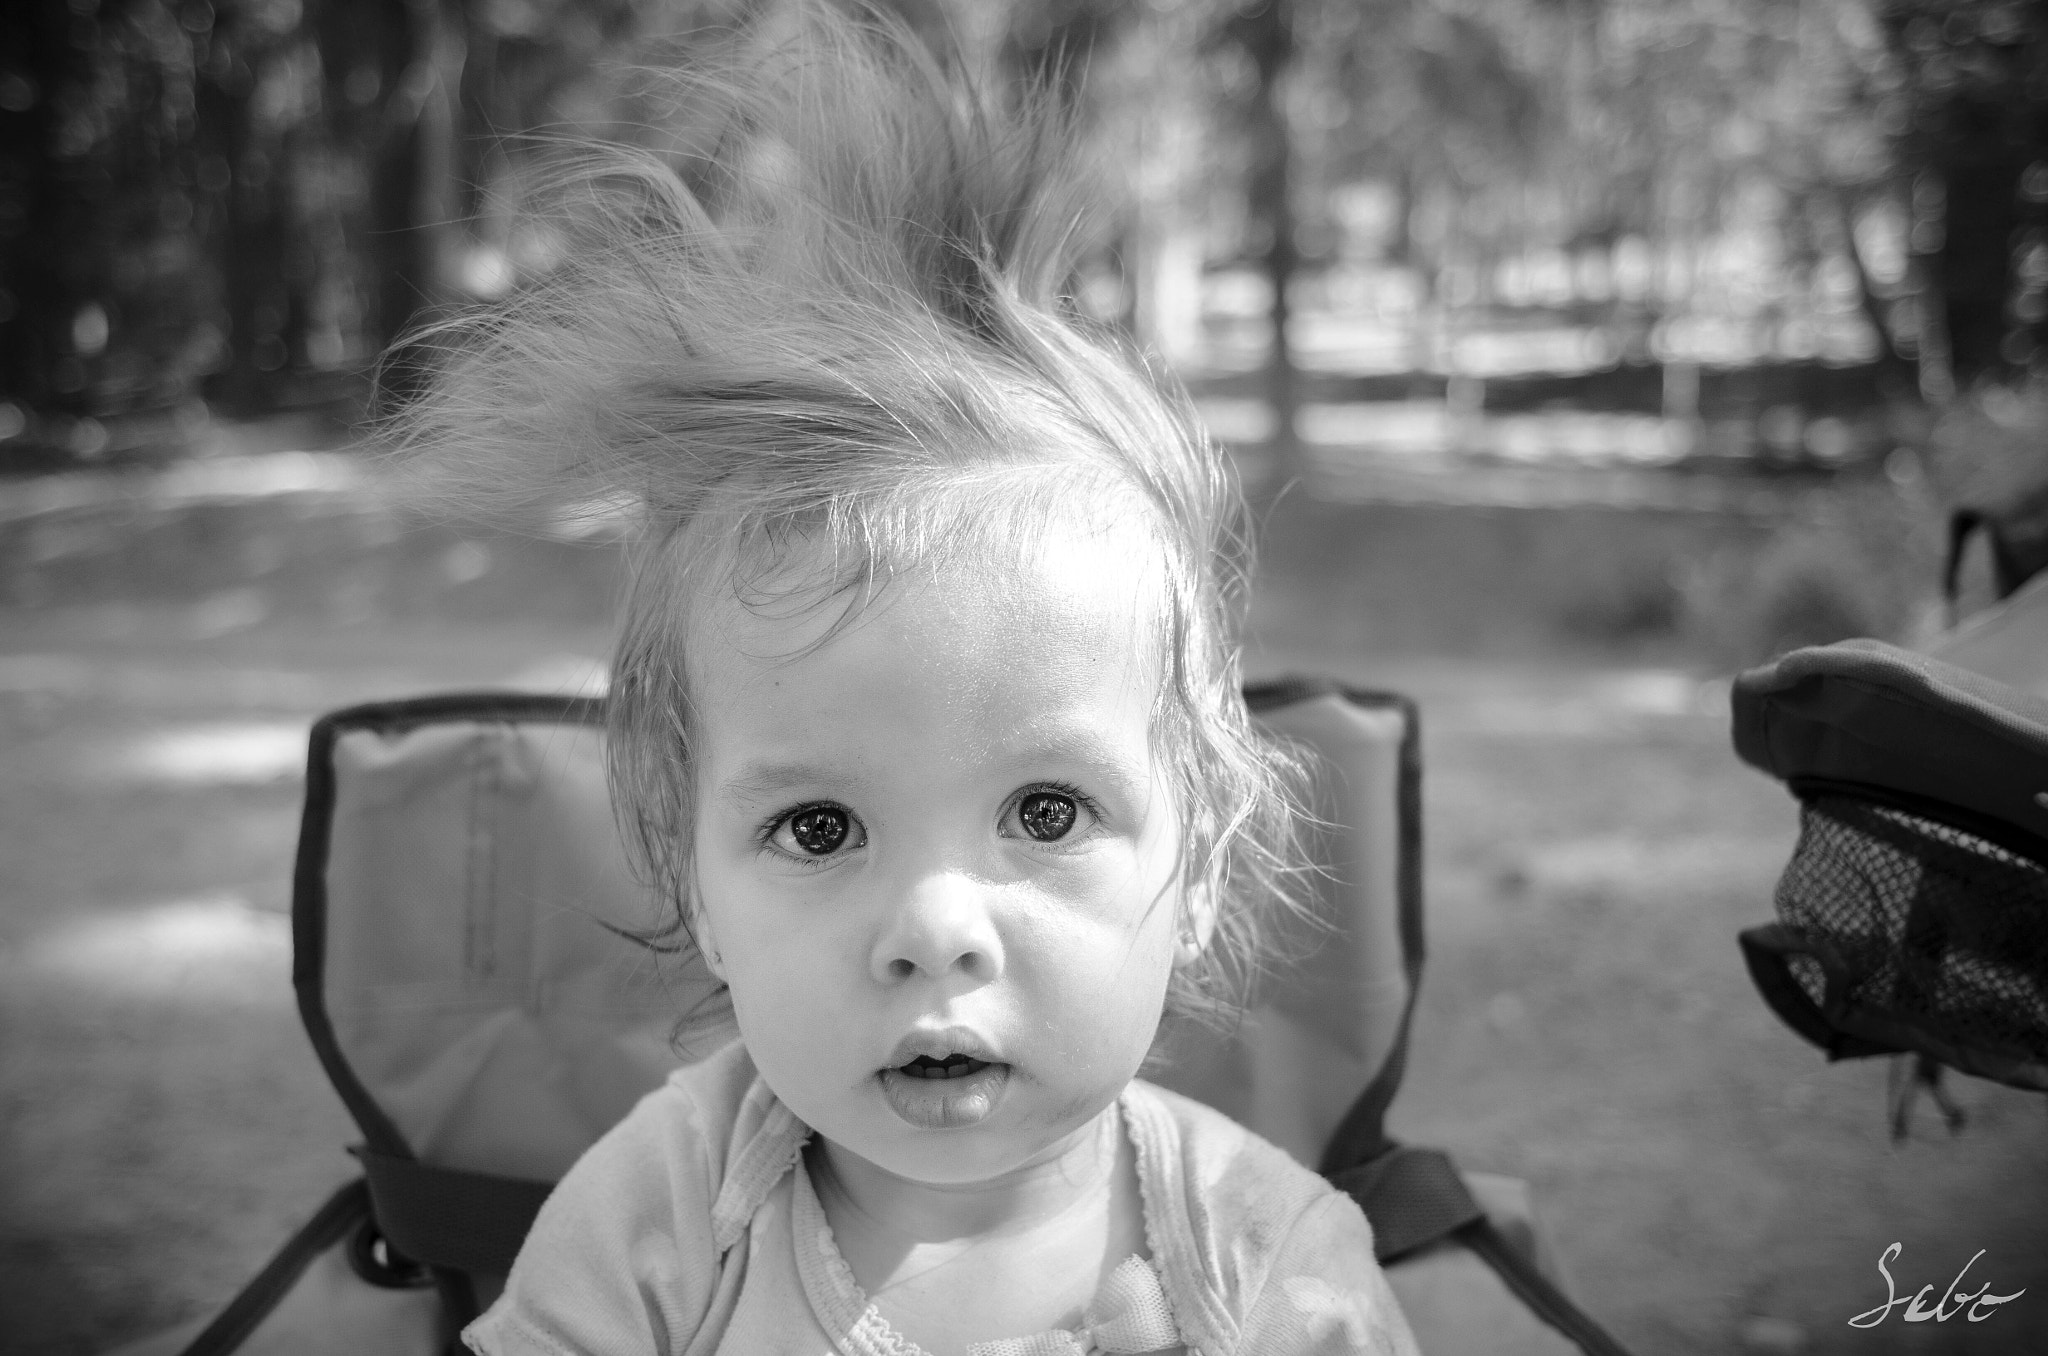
[238,204]
[1895,148]
[1865,561]
[1991,447]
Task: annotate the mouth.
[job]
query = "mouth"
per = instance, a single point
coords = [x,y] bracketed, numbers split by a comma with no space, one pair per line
[945,1083]
[948,1066]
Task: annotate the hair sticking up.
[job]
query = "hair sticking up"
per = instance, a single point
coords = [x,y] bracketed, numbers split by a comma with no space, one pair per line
[837,320]
[840,202]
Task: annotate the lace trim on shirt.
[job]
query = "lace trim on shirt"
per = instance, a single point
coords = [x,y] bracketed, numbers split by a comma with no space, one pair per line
[759,1165]
[854,1324]
[1205,1321]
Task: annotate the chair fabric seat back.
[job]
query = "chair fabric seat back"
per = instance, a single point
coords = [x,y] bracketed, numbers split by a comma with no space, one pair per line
[472,969]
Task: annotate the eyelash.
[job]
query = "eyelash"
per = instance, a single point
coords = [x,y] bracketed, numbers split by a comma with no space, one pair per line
[1073,793]
[765,835]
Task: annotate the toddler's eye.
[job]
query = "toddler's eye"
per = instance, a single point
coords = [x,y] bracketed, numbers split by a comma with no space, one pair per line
[818,831]
[1047,816]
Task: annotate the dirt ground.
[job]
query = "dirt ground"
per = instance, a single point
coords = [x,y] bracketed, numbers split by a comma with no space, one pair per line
[1710,1184]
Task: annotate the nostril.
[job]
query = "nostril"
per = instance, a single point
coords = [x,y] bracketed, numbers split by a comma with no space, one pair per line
[967,962]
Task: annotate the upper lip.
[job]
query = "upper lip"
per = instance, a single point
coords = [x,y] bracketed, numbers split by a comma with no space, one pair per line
[940,1042]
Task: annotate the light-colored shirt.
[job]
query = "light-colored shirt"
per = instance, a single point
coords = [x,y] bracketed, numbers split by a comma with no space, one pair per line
[691,1229]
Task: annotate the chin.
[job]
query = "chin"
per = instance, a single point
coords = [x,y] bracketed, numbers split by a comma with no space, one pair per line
[955,1158]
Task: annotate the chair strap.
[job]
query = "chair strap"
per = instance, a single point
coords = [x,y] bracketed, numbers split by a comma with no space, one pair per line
[2018,534]
[1415,1197]
[344,1210]
[1768,951]
[446,1218]
[1519,1273]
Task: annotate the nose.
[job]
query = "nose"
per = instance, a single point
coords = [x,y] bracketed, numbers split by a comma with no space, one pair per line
[942,928]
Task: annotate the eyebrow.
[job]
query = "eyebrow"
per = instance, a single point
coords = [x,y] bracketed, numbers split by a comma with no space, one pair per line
[1083,747]
[765,780]
[761,781]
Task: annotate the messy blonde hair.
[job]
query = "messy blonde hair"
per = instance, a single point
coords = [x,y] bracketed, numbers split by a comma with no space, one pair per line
[835,317]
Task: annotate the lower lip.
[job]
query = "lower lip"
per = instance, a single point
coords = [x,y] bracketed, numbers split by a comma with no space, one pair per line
[944,1103]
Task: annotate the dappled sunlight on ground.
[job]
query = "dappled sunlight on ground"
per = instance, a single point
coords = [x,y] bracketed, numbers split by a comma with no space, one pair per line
[209,948]
[237,753]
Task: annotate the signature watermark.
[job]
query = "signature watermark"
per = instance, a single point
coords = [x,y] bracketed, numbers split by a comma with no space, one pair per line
[1974,1305]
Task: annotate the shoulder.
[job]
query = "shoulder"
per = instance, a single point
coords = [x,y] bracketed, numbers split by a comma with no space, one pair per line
[682,1132]
[1242,1180]
[719,1097]
[1271,1257]
[626,1252]
[701,1150]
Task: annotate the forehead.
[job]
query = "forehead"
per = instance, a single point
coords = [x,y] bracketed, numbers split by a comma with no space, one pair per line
[1057,641]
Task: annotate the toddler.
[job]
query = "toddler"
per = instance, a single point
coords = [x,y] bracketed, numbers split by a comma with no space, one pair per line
[925,720]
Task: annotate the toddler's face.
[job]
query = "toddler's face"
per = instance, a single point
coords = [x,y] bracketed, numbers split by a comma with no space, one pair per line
[935,858]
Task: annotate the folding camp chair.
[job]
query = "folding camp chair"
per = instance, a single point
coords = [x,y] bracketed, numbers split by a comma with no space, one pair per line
[1913,916]
[462,920]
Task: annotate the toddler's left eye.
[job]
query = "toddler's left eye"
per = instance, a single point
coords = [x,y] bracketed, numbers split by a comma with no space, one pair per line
[1048,816]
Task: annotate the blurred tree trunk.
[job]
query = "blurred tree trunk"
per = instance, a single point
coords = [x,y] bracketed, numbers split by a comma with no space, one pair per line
[1971,271]
[275,187]
[1897,373]
[392,67]
[37,215]
[105,288]
[1268,36]
[253,229]
[1405,250]
[1977,76]
[1161,246]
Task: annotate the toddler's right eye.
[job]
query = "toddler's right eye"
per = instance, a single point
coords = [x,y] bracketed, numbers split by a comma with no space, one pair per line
[818,831]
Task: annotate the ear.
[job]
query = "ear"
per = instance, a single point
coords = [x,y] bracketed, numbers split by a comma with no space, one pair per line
[707,947]
[1197,924]
[698,924]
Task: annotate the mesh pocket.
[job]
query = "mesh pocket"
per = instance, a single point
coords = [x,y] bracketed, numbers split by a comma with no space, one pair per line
[1935,928]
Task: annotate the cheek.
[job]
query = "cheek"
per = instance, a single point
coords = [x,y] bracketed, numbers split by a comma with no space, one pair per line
[765,955]
[787,996]
[1135,907]
[1105,979]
